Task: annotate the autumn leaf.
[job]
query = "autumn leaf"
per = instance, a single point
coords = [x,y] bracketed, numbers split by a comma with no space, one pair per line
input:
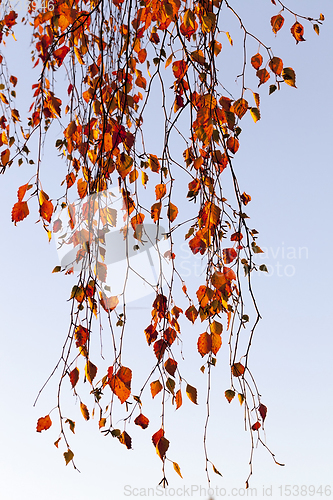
[297,32]
[20,211]
[56,443]
[229,254]
[155,388]
[90,370]
[22,190]
[120,383]
[263,76]
[233,144]
[68,455]
[101,271]
[162,447]
[277,23]
[216,342]
[229,394]
[240,107]
[216,471]
[246,198]
[155,211]
[81,336]
[263,411]
[160,191]
[276,65]
[142,421]
[172,212]
[256,61]
[170,366]
[46,210]
[191,313]
[191,393]
[255,113]
[71,424]
[84,411]
[60,54]
[241,398]
[204,344]
[125,439]
[157,436]
[44,423]
[74,377]
[237,369]
[179,399]
[289,76]
[256,426]
[169,335]
[177,469]
[159,348]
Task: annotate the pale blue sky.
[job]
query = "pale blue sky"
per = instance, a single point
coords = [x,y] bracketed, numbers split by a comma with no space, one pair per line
[285,163]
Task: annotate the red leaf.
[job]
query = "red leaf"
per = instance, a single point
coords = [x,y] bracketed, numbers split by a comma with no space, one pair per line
[74,377]
[246,198]
[191,313]
[157,436]
[81,336]
[263,76]
[233,143]
[263,411]
[20,211]
[142,421]
[60,54]
[229,254]
[237,369]
[171,366]
[43,423]
[21,192]
[170,335]
[162,447]
[256,426]
[151,334]
[159,348]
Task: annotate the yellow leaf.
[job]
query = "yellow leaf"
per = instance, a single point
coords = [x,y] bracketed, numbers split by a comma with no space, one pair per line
[78,55]
[255,113]
[241,398]
[84,411]
[102,422]
[69,455]
[177,469]
[168,61]
[229,38]
[216,471]
[288,74]
[191,393]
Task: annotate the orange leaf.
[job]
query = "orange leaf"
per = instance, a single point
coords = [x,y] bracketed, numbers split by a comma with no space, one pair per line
[74,377]
[246,198]
[81,336]
[70,179]
[233,143]
[60,54]
[137,220]
[142,421]
[263,76]
[276,65]
[154,163]
[20,211]
[142,54]
[162,447]
[141,82]
[121,383]
[204,344]
[46,210]
[172,212]
[157,436]
[240,107]
[179,399]
[21,191]
[216,342]
[191,313]
[171,366]
[125,439]
[237,369]
[277,23]
[155,388]
[160,190]
[256,61]
[84,411]
[5,157]
[229,254]
[43,423]
[229,394]
[155,211]
[297,31]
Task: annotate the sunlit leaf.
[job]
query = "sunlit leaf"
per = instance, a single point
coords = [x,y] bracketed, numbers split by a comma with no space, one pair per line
[155,387]
[74,376]
[289,76]
[84,411]
[191,393]
[297,31]
[229,394]
[177,469]
[237,369]
[277,23]
[44,423]
[142,421]
[125,439]
[256,61]
[20,211]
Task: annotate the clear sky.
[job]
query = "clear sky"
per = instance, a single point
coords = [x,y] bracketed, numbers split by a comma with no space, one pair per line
[285,163]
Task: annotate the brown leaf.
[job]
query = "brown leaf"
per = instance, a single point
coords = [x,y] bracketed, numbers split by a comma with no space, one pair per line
[155,388]
[162,447]
[263,76]
[90,370]
[229,394]
[263,411]
[74,377]
[142,421]
[246,198]
[125,439]
[289,76]
[233,142]
[191,393]
[155,211]
[169,335]
[159,348]
[71,424]
[170,366]
[44,423]
[160,191]
[276,65]
[237,369]
[20,211]
[68,455]
[172,212]
[179,399]
[157,436]
[240,107]
[81,336]
[256,426]
[229,254]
